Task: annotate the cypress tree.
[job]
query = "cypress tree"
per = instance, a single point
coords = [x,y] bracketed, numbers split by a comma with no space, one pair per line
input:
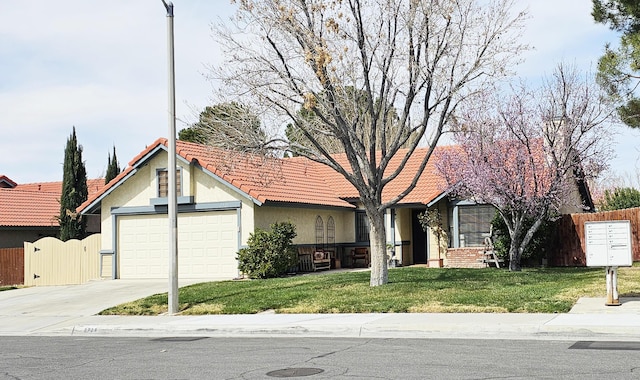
[74,191]
[113,168]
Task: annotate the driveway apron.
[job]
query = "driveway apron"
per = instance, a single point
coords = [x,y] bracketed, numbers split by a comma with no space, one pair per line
[28,310]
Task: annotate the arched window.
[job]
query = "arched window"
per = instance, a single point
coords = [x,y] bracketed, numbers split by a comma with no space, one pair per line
[319,232]
[331,232]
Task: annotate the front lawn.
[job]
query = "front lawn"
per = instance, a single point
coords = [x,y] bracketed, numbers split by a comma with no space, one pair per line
[411,289]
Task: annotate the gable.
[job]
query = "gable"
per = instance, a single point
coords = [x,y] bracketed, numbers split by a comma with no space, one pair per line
[140,188]
[6,182]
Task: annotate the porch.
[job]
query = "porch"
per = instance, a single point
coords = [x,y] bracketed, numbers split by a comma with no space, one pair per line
[344,255]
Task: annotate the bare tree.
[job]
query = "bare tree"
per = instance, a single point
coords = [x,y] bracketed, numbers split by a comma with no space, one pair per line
[527,153]
[222,123]
[419,58]
[357,101]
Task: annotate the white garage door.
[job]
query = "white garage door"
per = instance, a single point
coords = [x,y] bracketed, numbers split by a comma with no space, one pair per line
[207,246]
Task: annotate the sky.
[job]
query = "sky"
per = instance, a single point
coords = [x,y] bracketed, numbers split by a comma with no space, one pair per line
[101,67]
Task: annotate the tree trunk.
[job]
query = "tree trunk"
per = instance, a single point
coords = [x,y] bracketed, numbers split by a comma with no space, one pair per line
[519,241]
[378,242]
[514,257]
[515,251]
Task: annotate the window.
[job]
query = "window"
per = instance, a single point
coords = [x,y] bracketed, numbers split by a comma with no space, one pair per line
[362,227]
[474,222]
[331,232]
[319,232]
[163,182]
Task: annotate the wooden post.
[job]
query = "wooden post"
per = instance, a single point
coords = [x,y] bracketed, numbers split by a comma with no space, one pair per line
[612,287]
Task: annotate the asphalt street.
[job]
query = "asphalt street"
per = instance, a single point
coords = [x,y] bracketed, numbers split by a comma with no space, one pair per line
[68,357]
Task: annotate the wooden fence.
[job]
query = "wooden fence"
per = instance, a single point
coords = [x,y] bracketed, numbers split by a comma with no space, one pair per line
[50,261]
[570,245]
[11,266]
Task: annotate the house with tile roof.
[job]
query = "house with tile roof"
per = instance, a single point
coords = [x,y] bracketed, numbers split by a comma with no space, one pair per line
[223,197]
[29,212]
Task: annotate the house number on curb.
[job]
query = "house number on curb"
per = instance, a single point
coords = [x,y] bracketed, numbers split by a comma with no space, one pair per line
[608,244]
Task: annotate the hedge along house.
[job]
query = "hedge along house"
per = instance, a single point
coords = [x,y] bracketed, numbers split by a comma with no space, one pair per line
[223,197]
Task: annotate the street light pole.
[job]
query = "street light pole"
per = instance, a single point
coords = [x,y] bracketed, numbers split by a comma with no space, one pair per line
[172,197]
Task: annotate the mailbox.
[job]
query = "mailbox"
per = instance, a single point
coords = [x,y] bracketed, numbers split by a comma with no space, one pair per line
[608,244]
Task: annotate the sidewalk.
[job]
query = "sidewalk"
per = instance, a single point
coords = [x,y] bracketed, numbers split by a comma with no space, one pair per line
[70,311]
[590,320]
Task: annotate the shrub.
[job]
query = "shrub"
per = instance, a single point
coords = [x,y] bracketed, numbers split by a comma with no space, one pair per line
[537,248]
[620,198]
[269,253]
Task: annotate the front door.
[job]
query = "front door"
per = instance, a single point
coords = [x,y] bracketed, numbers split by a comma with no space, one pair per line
[419,239]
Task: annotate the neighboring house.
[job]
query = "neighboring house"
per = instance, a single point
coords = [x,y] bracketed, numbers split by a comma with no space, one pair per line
[29,212]
[223,197]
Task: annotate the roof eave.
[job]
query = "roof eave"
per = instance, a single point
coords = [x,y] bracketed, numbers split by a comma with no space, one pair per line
[95,205]
[307,205]
[438,198]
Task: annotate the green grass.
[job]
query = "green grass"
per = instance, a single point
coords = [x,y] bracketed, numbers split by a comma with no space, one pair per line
[3,288]
[411,289]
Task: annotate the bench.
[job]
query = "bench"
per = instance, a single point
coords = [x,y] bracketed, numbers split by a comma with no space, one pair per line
[360,254]
[311,260]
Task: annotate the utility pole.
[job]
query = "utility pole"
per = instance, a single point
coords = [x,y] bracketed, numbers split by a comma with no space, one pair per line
[172,197]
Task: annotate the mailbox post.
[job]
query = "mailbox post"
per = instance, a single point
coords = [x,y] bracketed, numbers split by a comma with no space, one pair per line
[608,244]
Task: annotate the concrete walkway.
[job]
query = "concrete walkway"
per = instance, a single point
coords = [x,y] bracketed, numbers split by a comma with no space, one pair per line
[70,310]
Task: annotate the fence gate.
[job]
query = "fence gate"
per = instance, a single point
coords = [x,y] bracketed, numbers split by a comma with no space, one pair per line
[11,266]
[50,261]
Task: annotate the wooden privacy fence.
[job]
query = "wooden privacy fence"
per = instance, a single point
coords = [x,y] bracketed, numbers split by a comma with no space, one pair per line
[570,245]
[11,266]
[50,261]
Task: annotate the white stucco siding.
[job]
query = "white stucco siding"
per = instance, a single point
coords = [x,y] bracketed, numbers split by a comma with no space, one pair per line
[305,221]
[207,246]
[132,192]
[210,189]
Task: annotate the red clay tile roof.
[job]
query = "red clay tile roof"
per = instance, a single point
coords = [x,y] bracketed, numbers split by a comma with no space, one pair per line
[93,186]
[35,204]
[22,208]
[275,180]
[290,180]
[429,186]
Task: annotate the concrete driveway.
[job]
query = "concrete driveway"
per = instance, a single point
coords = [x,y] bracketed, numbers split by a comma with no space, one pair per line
[28,310]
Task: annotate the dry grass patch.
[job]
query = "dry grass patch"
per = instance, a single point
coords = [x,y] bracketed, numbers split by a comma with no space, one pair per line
[307,308]
[438,307]
[203,309]
[628,281]
[136,308]
[589,290]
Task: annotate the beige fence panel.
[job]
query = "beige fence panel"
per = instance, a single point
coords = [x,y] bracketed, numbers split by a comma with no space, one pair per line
[50,261]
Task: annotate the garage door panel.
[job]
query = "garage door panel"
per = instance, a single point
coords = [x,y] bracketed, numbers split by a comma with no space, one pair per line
[207,245]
